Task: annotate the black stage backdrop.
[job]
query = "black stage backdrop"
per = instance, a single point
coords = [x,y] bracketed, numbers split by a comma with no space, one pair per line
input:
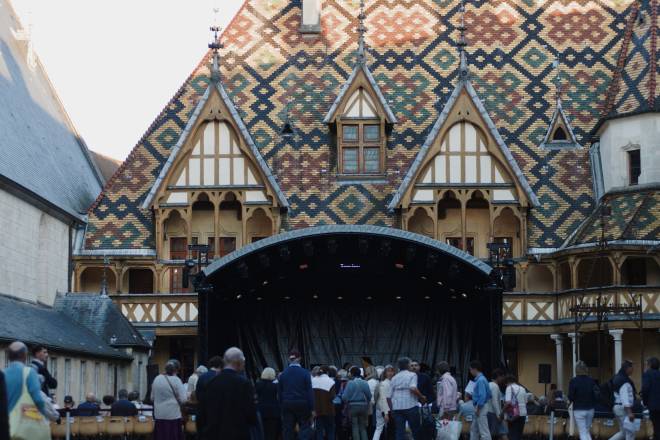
[341,331]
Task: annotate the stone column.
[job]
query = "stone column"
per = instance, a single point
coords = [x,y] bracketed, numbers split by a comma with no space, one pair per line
[559,347]
[574,356]
[617,334]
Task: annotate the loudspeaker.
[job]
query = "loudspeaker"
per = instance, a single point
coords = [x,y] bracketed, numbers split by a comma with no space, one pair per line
[545,373]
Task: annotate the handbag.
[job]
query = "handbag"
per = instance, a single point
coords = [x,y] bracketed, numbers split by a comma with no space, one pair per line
[25,420]
[513,412]
[448,429]
[182,405]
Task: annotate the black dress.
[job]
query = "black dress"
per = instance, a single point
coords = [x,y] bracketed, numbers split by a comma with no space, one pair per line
[269,408]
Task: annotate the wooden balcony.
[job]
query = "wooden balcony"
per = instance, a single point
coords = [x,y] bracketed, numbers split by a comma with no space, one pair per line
[553,309]
[159,309]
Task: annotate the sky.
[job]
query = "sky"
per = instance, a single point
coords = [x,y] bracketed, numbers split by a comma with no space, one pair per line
[116,63]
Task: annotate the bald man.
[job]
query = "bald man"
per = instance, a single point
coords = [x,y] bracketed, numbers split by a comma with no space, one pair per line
[17,356]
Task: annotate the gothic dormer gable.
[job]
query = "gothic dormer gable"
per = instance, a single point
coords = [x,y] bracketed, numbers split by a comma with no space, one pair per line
[560,132]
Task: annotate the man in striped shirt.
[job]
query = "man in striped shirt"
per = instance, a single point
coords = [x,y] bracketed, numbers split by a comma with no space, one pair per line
[404,400]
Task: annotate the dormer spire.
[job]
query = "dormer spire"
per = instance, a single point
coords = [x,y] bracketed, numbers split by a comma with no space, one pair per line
[361,32]
[556,64]
[462,43]
[215,46]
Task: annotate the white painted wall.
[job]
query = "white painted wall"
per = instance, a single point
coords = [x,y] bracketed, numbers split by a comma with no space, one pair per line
[35,251]
[619,135]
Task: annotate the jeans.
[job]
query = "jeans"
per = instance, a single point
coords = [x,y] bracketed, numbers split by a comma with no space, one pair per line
[583,420]
[359,420]
[655,420]
[296,413]
[380,425]
[325,427]
[479,429]
[410,415]
[516,428]
[621,415]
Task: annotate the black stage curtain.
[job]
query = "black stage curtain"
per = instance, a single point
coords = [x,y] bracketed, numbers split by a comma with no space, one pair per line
[339,332]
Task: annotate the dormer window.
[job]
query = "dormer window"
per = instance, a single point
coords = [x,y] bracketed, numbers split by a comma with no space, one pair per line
[559,135]
[361,148]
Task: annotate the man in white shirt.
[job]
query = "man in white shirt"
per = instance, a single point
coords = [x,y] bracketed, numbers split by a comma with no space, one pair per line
[624,399]
[404,399]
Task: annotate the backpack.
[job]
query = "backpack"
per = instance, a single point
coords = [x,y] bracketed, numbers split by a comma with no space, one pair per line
[607,394]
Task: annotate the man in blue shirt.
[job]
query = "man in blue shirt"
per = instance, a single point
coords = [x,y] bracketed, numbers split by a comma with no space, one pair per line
[296,399]
[17,355]
[480,395]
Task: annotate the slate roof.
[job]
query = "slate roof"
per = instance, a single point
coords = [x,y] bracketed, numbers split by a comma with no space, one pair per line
[40,149]
[38,324]
[413,58]
[635,217]
[633,88]
[101,315]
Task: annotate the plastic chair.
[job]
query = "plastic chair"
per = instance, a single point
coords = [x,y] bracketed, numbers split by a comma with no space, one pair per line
[58,430]
[143,426]
[88,426]
[115,427]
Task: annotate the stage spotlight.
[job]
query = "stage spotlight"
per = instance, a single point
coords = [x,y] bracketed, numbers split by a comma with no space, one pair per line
[410,254]
[265,283]
[398,265]
[340,297]
[431,261]
[385,248]
[427,297]
[264,260]
[259,298]
[464,295]
[369,298]
[440,283]
[332,246]
[423,277]
[287,298]
[363,246]
[242,269]
[398,297]
[239,296]
[308,248]
[303,266]
[315,296]
[285,253]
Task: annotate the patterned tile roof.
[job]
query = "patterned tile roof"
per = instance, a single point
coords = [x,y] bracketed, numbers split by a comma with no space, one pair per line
[635,216]
[633,87]
[413,58]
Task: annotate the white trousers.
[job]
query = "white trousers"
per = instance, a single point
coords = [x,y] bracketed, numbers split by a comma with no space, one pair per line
[583,420]
[479,429]
[380,425]
[621,415]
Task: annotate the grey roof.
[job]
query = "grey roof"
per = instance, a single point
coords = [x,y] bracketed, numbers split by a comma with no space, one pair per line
[38,324]
[39,148]
[572,140]
[374,85]
[100,315]
[265,169]
[463,83]
[349,230]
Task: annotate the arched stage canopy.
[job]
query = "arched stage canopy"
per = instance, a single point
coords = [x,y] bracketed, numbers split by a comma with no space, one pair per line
[341,292]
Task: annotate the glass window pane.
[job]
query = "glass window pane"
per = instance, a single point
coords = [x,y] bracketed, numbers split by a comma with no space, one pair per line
[372,133]
[350,160]
[351,133]
[372,160]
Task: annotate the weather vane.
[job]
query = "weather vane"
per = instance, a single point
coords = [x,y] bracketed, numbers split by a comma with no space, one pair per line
[462,42]
[215,46]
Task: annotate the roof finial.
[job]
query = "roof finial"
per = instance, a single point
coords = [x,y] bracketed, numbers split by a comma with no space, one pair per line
[462,43]
[556,64]
[361,31]
[215,46]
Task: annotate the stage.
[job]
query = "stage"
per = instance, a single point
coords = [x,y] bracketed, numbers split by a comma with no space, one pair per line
[339,293]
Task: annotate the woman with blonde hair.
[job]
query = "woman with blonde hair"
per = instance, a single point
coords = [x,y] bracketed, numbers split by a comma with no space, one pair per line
[583,392]
[381,395]
[268,404]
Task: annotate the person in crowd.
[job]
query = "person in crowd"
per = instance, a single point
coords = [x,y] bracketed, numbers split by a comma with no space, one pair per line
[215,366]
[107,402]
[268,404]
[515,407]
[315,371]
[296,398]
[424,382]
[324,395]
[123,407]
[404,398]
[50,411]
[192,381]
[447,391]
[371,375]
[480,396]
[557,404]
[534,406]
[624,399]
[651,393]
[4,413]
[466,408]
[357,396]
[493,407]
[383,409]
[89,407]
[19,377]
[228,404]
[584,393]
[70,405]
[168,395]
[342,418]
[39,360]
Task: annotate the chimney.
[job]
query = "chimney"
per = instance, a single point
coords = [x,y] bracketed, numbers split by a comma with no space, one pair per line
[311,17]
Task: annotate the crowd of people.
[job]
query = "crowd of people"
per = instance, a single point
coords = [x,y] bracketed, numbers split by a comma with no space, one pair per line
[353,402]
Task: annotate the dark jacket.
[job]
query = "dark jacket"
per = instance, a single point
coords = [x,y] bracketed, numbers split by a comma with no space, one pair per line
[295,387]
[267,402]
[425,386]
[4,416]
[123,408]
[50,382]
[619,379]
[651,389]
[87,409]
[583,392]
[228,407]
